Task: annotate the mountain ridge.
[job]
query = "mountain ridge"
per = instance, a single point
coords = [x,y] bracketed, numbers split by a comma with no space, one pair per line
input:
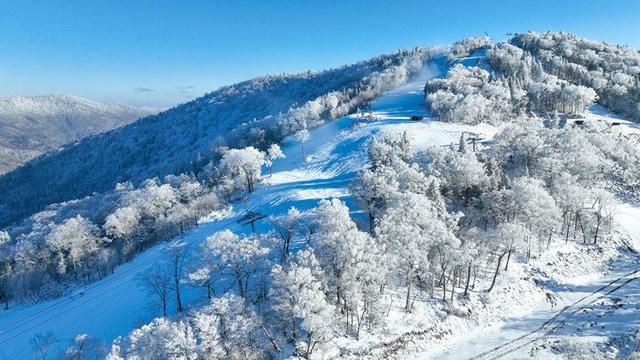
[33,125]
[181,139]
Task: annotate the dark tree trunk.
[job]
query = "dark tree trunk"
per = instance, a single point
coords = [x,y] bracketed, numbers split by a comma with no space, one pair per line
[176,282]
[566,239]
[466,287]
[495,275]
[598,222]
[164,307]
[506,265]
[453,289]
[178,297]
[371,222]
[407,305]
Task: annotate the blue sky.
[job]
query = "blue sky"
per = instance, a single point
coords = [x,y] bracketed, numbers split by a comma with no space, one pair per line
[159,53]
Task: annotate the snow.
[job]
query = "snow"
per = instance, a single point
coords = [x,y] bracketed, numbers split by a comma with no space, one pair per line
[589,293]
[594,302]
[168,142]
[333,155]
[514,320]
[50,105]
[629,218]
[32,125]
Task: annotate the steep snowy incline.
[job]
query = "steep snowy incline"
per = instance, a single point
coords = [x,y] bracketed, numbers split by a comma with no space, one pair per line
[335,153]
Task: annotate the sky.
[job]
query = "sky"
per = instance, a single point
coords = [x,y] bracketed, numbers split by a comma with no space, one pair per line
[160,53]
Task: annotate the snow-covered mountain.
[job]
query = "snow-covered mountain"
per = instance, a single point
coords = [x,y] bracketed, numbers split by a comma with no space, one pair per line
[475,204]
[181,139]
[33,125]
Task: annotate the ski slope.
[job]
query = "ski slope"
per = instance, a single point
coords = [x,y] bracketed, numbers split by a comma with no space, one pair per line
[335,153]
[333,156]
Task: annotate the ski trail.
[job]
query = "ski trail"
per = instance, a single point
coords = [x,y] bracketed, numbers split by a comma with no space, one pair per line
[557,320]
[117,304]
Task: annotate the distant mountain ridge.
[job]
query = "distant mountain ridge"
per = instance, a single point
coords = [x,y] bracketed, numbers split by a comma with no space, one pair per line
[33,125]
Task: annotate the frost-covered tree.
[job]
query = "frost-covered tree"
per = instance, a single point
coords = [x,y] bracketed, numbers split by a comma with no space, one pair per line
[153,200]
[228,329]
[86,238]
[157,282]
[238,257]
[570,198]
[372,189]
[298,300]
[411,230]
[73,243]
[603,208]
[470,95]
[462,144]
[353,263]
[6,273]
[42,344]
[244,165]
[4,237]
[122,223]
[302,136]
[161,339]
[460,173]
[85,347]
[180,139]
[177,253]
[273,153]
[390,171]
[534,206]
[506,238]
[610,70]
[517,83]
[287,226]
[224,329]
[521,146]
[465,47]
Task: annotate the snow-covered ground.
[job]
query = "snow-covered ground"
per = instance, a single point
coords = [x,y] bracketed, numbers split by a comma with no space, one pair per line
[595,307]
[335,153]
[592,310]
[515,336]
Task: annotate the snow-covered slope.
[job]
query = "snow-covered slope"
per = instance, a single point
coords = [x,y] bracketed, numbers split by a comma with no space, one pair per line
[32,125]
[598,307]
[180,140]
[335,153]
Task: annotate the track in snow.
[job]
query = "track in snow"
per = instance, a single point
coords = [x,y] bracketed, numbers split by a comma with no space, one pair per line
[557,320]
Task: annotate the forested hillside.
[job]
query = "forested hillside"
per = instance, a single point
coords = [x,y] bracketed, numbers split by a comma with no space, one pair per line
[613,71]
[452,192]
[455,234]
[256,112]
[33,125]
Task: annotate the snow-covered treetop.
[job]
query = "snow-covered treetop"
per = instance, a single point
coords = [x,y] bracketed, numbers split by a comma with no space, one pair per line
[463,48]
